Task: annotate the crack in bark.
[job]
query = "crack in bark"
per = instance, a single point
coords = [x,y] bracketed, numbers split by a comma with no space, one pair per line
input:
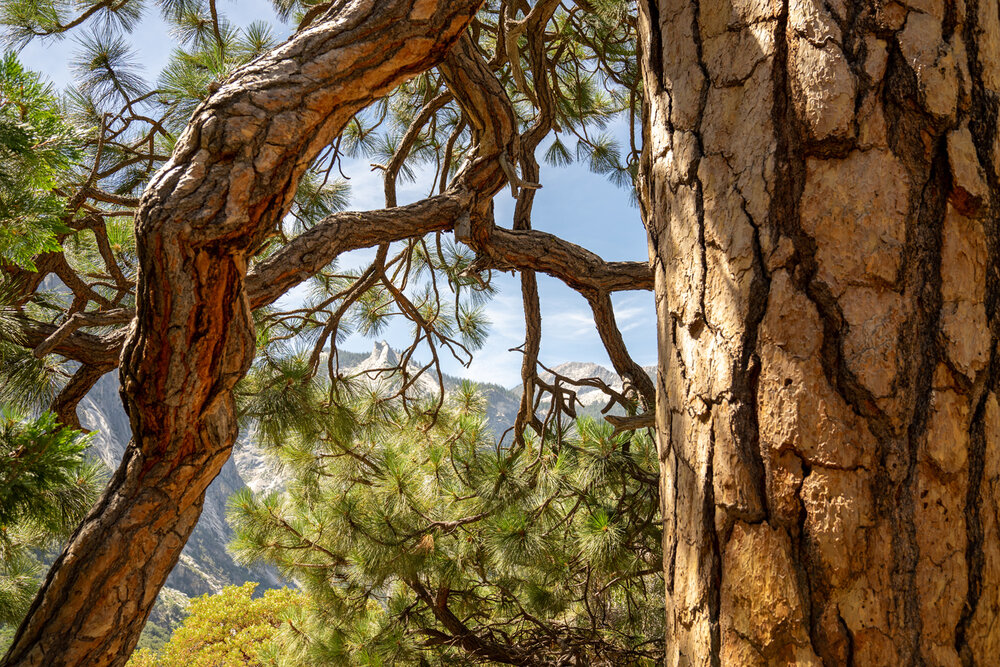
[974,556]
[983,124]
[714,592]
[785,216]
[655,52]
[924,255]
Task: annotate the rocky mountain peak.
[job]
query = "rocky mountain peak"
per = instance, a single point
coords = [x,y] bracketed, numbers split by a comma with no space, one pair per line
[382,357]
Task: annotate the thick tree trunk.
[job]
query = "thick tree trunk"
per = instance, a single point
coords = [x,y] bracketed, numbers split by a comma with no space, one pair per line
[229,182]
[821,193]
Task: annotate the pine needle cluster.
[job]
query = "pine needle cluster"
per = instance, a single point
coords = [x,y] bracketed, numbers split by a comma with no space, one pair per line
[418,540]
[36,148]
[47,486]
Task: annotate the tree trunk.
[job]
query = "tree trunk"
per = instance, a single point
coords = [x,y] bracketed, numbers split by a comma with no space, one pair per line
[230,181]
[820,188]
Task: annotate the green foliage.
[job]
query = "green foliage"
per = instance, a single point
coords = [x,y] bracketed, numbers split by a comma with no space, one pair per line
[400,525]
[108,70]
[228,629]
[153,638]
[46,488]
[414,535]
[36,147]
[6,637]
[27,383]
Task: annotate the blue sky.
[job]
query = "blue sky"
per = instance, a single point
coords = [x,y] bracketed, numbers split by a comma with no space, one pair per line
[573,203]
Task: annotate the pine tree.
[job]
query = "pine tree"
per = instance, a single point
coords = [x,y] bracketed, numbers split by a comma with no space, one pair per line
[417,538]
[480,116]
[820,191]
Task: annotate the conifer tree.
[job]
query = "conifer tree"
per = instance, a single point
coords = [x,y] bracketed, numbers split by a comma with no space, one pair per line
[419,540]
[526,79]
[820,191]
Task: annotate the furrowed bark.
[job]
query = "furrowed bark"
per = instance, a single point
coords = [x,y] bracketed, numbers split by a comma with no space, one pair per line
[820,188]
[229,182]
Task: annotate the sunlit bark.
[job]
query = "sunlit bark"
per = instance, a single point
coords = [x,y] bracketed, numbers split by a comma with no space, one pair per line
[821,193]
[228,184]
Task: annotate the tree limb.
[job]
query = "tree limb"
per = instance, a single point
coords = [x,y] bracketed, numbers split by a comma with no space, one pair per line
[227,186]
[579,268]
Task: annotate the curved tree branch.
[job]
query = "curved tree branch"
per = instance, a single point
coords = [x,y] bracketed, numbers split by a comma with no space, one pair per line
[83,380]
[579,268]
[308,253]
[228,184]
[632,373]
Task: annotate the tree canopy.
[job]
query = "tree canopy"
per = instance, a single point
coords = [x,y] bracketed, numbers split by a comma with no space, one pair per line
[228,629]
[127,128]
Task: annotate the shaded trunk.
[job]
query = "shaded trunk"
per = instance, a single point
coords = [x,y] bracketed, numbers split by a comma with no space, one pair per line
[820,189]
[229,183]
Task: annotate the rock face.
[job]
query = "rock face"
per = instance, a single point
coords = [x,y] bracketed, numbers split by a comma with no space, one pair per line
[821,189]
[205,565]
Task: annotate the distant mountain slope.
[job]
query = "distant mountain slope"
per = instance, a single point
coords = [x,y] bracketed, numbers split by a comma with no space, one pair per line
[501,403]
[205,565]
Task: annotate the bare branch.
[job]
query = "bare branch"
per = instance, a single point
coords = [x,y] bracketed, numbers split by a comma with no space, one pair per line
[622,424]
[88,349]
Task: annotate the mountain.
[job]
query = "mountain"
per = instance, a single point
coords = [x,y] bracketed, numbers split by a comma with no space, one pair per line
[205,565]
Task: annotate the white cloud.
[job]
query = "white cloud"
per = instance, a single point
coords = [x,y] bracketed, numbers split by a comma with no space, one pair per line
[506,317]
[571,325]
